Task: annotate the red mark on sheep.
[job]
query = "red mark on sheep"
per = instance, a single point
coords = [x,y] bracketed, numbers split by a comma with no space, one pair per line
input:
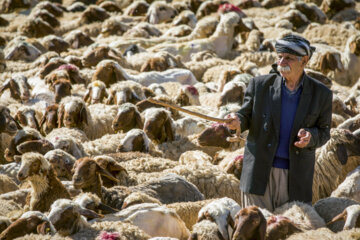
[192,90]
[227,7]
[68,67]
[109,236]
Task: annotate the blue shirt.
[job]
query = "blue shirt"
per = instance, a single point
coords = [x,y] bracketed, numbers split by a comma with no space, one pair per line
[289,103]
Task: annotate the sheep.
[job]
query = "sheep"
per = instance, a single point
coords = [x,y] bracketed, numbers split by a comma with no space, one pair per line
[114,168]
[138,198]
[55,43]
[280,227]
[46,187]
[36,27]
[92,202]
[94,120]
[41,146]
[205,230]
[331,159]
[126,91]
[249,223]
[222,212]
[58,133]
[78,39]
[325,233]
[224,31]
[162,189]
[21,50]
[27,116]
[93,56]
[18,86]
[195,158]
[337,206]
[29,222]
[108,143]
[141,30]
[70,145]
[96,92]
[185,17]
[127,118]
[350,124]
[349,187]
[93,14]
[159,12]
[350,215]
[8,127]
[163,221]
[159,61]
[61,161]
[135,141]
[67,216]
[49,120]
[110,6]
[137,8]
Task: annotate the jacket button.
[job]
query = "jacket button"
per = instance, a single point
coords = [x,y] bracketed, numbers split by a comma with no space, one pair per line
[297,152]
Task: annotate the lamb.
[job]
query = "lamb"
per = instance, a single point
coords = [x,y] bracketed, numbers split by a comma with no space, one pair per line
[222,212]
[46,187]
[95,121]
[349,188]
[96,92]
[159,12]
[164,222]
[334,154]
[226,29]
[29,222]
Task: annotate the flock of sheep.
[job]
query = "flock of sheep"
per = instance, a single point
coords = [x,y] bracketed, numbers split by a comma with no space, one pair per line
[84,155]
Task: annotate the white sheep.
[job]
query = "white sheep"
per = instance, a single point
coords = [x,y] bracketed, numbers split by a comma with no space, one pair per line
[350,187]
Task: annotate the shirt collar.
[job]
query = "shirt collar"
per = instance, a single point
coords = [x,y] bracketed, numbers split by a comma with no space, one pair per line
[301,83]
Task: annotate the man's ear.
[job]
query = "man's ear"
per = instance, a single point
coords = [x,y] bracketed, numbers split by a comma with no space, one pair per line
[305,60]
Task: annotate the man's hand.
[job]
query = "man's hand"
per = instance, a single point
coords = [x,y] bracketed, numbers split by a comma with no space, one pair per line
[235,123]
[304,138]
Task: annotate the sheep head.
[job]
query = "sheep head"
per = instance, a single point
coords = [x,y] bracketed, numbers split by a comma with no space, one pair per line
[61,88]
[279,227]
[227,76]
[10,5]
[41,146]
[96,92]
[62,162]
[347,144]
[66,216]
[22,51]
[72,113]
[188,95]
[137,8]
[92,202]
[235,166]
[127,118]
[69,145]
[155,64]
[134,141]
[73,72]
[32,165]
[46,16]
[50,119]
[19,88]
[7,122]
[78,39]
[36,28]
[250,223]
[93,14]
[108,72]
[87,174]
[124,95]
[159,12]
[354,45]
[351,216]
[109,164]
[215,136]
[330,62]
[158,125]
[53,64]
[27,117]
[207,7]
[32,222]
[232,93]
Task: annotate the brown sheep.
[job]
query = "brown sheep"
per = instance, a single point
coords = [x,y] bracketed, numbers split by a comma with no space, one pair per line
[137,8]
[250,223]
[46,187]
[47,17]
[74,74]
[110,165]
[7,122]
[41,146]
[134,141]
[279,227]
[62,162]
[26,116]
[96,55]
[93,14]
[110,6]
[49,119]
[10,5]
[127,118]
[107,72]
[55,43]
[51,8]
[36,28]
[19,88]
[215,136]
[78,39]
[50,66]
[158,125]
[62,88]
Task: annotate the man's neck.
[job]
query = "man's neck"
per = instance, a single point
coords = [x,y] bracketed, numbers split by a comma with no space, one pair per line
[292,82]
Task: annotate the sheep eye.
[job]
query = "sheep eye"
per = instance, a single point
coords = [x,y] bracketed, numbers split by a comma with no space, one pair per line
[162,8]
[67,161]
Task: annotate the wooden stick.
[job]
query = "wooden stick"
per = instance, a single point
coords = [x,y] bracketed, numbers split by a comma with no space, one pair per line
[235,138]
[219,120]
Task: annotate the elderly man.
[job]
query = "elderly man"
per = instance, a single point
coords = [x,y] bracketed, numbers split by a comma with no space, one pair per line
[288,115]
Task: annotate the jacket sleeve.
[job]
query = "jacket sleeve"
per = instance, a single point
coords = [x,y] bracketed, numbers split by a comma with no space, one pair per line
[321,133]
[245,113]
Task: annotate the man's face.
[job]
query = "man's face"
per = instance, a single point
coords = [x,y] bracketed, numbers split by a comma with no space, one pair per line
[289,64]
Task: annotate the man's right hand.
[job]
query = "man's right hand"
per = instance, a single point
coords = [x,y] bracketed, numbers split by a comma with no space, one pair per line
[235,123]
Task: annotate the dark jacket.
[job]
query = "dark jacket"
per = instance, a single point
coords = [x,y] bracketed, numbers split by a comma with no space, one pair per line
[260,114]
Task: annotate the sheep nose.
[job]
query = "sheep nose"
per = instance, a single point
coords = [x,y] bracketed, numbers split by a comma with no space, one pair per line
[115,124]
[20,176]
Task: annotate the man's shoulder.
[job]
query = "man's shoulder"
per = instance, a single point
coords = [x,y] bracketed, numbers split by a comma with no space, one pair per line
[264,79]
[318,85]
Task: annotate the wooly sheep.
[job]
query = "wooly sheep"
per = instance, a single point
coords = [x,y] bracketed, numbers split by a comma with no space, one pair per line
[349,188]
[67,216]
[126,91]
[280,227]
[29,222]
[94,120]
[226,30]
[337,206]
[127,118]
[205,230]
[70,145]
[138,198]
[185,17]
[159,12]
[62,162]
[58,133]
[96,92]
[153,219]
[104,145]
[332,159]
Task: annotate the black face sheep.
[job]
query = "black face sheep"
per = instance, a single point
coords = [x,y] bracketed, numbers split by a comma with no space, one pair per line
[250,223]
[46,187]
[127,118]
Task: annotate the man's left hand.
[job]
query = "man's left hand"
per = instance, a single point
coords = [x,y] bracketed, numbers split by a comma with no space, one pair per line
[304,138]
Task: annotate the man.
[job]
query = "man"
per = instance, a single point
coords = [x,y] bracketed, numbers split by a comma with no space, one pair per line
[288,115]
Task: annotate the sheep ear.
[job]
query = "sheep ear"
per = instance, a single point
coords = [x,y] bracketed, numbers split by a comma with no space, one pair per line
[138,119]
[119,75]
[60,115]
[106,173]
[352,47]
[5,86]
[89,213]
[341,153]
[86,97]
[339,217]
[145,67]
[105,209]
[169,131]
[83,115]
[110,98]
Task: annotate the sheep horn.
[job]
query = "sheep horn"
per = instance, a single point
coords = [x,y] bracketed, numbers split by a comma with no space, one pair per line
[341,216]
[235,138]
[105,209]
